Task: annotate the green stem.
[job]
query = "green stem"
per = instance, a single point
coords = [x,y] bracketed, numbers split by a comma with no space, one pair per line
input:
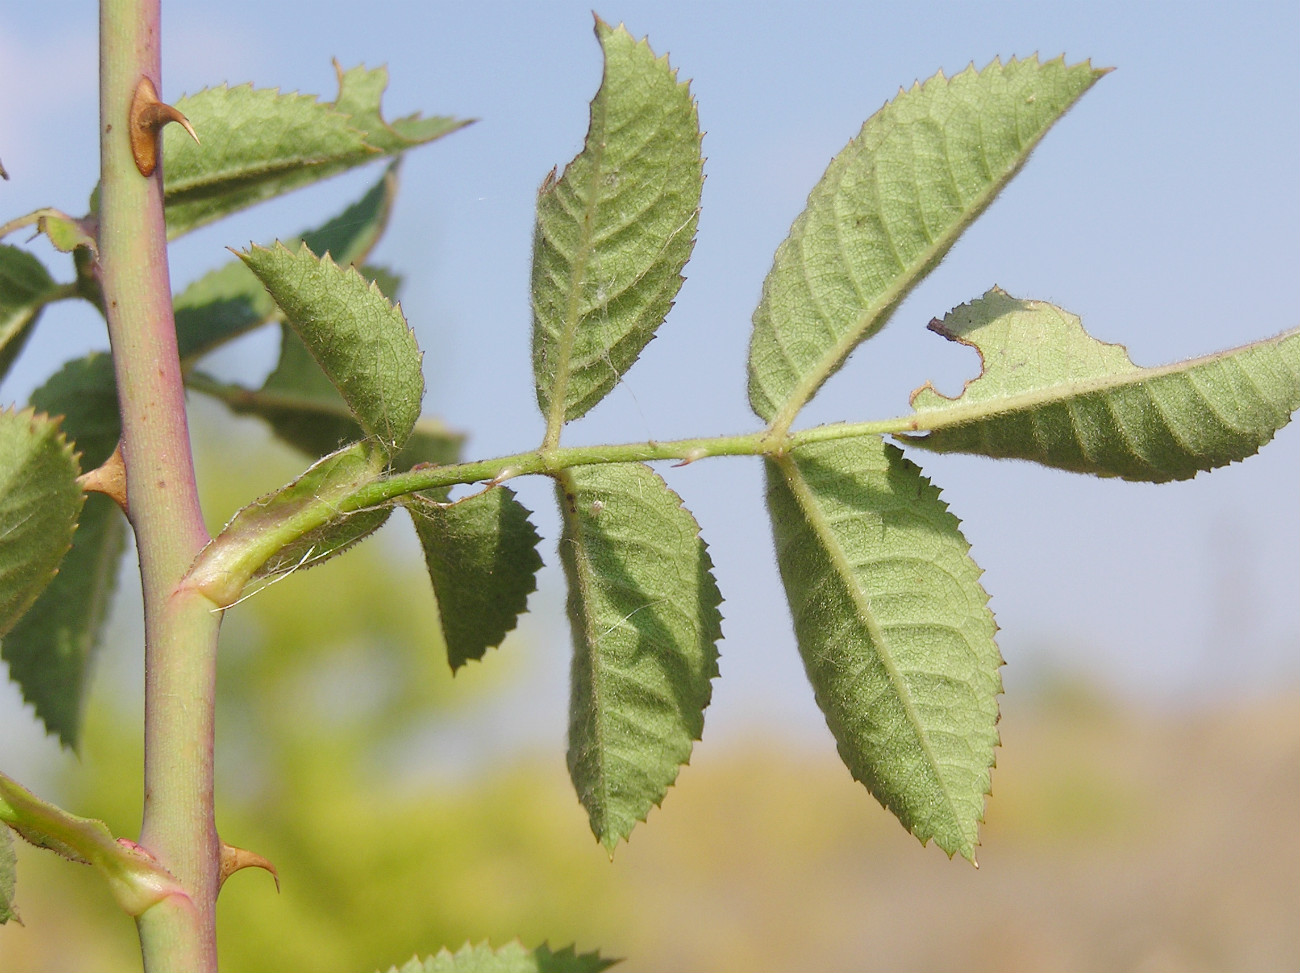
[551,461]
[229,563]
[180,630]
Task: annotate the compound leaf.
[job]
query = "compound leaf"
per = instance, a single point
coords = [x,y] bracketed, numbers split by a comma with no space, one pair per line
[894,629]
[260,143]
[39,504]
[361,341]
[510,958]
[614,231]
[482,558]
[888,209]
[643,607]
[51,648]
[1050,392]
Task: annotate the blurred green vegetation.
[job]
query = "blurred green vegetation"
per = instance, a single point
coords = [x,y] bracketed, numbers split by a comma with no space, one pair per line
[1117,839]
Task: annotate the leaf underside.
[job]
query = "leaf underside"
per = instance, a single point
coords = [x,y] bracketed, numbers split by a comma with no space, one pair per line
[482,557]
[894,630]
[643,607]
[887,210]
[1051,393]
[614,231]
[510,958]
[361,341]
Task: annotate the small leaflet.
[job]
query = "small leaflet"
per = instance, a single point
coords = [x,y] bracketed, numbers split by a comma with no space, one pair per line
[614,231]
[361,341]
[482,557]
[643,608]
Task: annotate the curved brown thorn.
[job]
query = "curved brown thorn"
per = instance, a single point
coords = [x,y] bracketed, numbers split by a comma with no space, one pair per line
[233,859]
[148,116]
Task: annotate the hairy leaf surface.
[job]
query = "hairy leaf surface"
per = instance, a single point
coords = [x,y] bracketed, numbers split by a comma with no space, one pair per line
[643,607]
[482,558]
[360,340]
[39,504]
[25,286]
[51,649]
[1050,392]
[614,231]
[229,301]
[888,209]
[259,143]
[510,958]
[894,629]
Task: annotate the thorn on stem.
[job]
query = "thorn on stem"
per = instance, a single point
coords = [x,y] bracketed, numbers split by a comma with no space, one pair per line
[108,479]
[148,116]
[233,859]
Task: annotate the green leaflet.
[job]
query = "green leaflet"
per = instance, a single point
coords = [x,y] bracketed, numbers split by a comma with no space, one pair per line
[894,630]
[8,877]
[316,495]
[259,143]
[1050,392]
[25,288]
[510,958]
[50,650]
[482,557]
[361,342]
[135,878]
[643,607]
[297,526]
[614,231]
[65,233]
[888,209]
[39,504]
[228,301]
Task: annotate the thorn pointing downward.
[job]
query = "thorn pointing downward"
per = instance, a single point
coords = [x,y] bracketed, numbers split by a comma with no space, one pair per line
[233,859]
[148,116]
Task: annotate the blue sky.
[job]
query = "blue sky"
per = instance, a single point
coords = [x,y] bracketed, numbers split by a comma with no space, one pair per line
[1164,210]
